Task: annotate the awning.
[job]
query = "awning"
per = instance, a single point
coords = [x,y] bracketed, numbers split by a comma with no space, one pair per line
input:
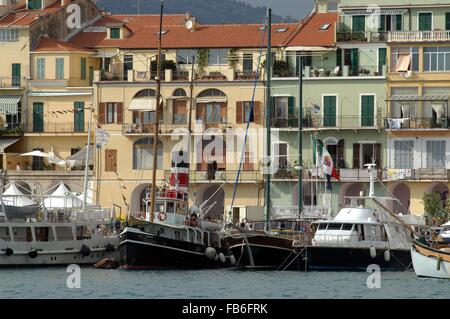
[310,49]
[423,98]
[368,12]
[403,63]
[8,104]
[38,94]
[5,143]
[212,99]
[143,104]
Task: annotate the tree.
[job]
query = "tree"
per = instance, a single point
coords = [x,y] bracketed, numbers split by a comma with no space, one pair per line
[436,215]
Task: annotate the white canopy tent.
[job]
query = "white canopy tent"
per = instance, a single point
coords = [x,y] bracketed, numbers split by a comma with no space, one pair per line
[14,197]
[62,198]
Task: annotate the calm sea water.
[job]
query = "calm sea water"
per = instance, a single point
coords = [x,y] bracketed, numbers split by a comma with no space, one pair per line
[51,283]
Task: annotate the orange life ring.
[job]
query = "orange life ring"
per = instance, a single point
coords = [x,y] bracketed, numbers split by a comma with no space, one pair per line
[162,217]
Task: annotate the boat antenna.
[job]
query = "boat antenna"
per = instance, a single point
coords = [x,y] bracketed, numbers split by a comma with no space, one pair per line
[268,118]
[371,168]
[156,132]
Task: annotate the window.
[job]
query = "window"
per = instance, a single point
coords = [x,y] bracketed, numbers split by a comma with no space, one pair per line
[22,234]
[127,65]
[59,70]
[64,233]
[34,4]
[436,154]
[347,227]
[113,113]
[247,63]
[218,57]
[367,110]
[40,68]
[332,5]
[83,68]
[186,56]
[179,112]
[403,154]
[213,114]
[9,35]
[114,33]
[78,117]
[436,59]
[110,160]
[359,23]
[44,234]
[425,21]
[334,226]
[143,154]
[397,53]
[178,93]
[325,27]
[4,234]
[248,112]
[329,111]
[447,21]
[366,154]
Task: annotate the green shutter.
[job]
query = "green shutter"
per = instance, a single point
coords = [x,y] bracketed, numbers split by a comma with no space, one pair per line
[398,22]
[425,21]
[447,21]
[78,117]
[83,68]
[339,57]
[34,4]
[329,111]
[291,111]
[40,68]
[38,117]
[59,68]
[382,26]
[115,33]
[367,110]
[359,24]
[16,74]
[355,61]
[381,60]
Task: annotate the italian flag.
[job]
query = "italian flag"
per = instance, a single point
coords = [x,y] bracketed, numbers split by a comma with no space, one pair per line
[325,161]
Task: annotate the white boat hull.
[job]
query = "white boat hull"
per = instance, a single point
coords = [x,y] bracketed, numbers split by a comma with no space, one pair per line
[427,266]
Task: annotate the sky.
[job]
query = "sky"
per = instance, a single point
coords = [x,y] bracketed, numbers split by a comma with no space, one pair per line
[294,8]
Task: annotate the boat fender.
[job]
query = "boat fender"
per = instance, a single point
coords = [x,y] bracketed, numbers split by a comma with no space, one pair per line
[110,248]
[222,258]
[210,253]
[232,260]
[9,252]
[85,251]
[438,265]
[33,254]
[387,256]
[373,252]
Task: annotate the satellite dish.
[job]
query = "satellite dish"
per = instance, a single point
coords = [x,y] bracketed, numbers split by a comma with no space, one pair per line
[189,24]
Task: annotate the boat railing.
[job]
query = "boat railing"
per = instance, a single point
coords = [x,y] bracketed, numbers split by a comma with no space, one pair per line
[92,214]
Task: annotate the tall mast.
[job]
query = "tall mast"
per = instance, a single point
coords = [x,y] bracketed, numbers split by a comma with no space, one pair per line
[300,135]
[86,167]
[268,119]
[191,107]
[156,133]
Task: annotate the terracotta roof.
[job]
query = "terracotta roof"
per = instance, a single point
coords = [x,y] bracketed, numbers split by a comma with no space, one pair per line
[309,34]
[23,17]
[47,44]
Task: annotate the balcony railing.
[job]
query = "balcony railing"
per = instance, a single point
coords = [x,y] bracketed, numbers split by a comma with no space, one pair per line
[226,176]
[12,82]
[421,174]
[342,122]
[418,36]
[138,128]
[417,123]
[313,212]
[363,36]
[246,75]
[11,129]
[57,128]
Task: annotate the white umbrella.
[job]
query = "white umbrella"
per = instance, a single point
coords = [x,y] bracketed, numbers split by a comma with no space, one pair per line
[35,153]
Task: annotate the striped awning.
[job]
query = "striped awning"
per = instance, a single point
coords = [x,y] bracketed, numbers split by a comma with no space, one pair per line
[369,12]
[417,98]
[8,104]
[143,104]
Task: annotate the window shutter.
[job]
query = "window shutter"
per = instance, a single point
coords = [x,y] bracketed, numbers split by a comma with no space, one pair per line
[223,112]
[110,160]
[119,113]
[201,110]
[239,112]
[340,154]
[356,160]
[101,113]
[447,21]
[258,117]
[377,155]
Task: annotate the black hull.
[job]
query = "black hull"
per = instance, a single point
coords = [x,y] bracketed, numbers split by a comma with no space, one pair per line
[138,251]
[355,259]
[263,252]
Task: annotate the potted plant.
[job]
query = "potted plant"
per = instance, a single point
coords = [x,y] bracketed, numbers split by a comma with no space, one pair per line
[316,73]
[202,59]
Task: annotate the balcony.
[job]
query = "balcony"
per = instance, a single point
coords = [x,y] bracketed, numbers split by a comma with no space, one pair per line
[12,129]
[313,212]
[417,123]
[226,176]
[246,75]
[421,174]
[342,122]
[363,36]
[314,174]
[57,128]
[138,128]
[12,82]
[418,36]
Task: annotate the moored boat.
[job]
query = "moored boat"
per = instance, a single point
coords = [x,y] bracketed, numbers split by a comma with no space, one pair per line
[433,262]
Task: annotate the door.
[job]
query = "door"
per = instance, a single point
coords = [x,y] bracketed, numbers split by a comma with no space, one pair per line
[367,110]
[38,162]
[329,111]
[38,117]
[281,153]
[381,60]
[15,80]
[425,21]
[127,65]
[78,117]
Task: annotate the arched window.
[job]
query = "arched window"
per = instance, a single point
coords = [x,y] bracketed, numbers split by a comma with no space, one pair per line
[211,92]
[179,93]
[145,93]
[143,154]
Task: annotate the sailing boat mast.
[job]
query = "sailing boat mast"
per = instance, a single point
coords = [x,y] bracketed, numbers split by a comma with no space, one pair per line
[86,166]
[157,115]
[300,136]
[267,205]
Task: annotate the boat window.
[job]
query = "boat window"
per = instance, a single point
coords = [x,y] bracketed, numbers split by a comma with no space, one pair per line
[22,234]
[322,227]
[64,233]
[4,234]
[199,237]
[259,226]
[181,209]
[334,226]
[83,232]
[192,236]
[170,208]
[44,234]
[159,207]
[347,227]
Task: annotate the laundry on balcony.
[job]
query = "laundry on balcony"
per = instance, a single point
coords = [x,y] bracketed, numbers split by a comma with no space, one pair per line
[398,174]
[438,108]
[396,124]
[9,104]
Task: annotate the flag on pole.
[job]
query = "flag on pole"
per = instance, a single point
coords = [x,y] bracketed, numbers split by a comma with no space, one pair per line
[323,158]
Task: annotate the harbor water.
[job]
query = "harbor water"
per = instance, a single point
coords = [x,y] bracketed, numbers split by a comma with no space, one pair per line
[218,284]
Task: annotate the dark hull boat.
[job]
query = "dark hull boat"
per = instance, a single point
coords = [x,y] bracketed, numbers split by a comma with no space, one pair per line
[355,259]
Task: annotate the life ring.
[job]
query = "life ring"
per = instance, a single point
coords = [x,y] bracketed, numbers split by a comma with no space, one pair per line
[162,216]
